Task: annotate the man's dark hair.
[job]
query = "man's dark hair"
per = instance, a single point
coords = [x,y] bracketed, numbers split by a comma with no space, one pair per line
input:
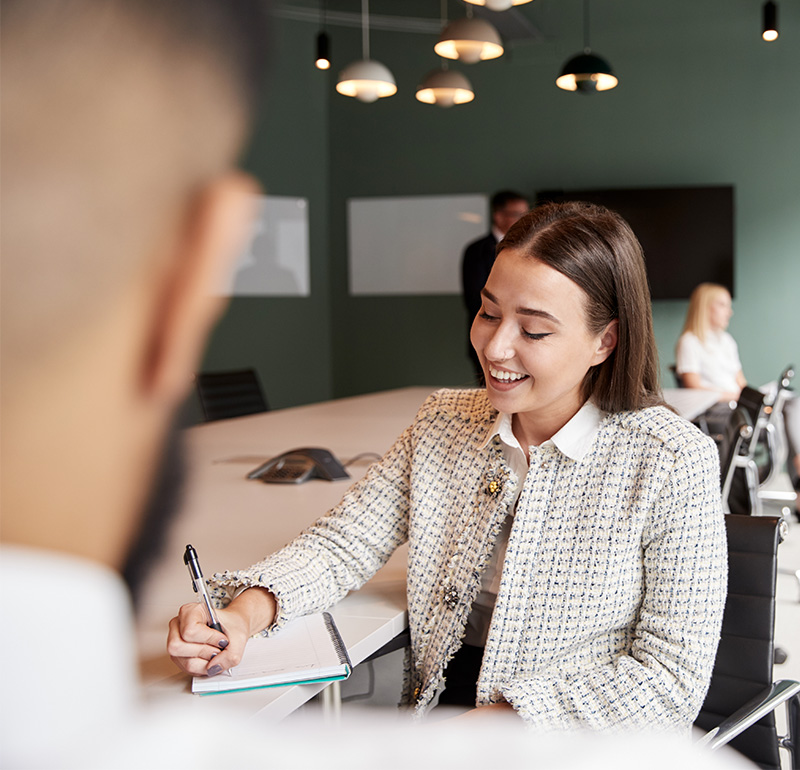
[504,197]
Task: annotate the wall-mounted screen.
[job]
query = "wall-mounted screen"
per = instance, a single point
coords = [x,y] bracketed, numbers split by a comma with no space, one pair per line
[687,233]
[411,244]
[275,262]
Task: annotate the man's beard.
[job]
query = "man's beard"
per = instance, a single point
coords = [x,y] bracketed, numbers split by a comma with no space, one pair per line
[163,502]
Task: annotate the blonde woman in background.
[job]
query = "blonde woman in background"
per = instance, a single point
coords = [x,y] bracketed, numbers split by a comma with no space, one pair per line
[707,357]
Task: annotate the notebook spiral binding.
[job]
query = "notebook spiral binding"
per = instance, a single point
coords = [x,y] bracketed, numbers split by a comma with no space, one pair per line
[338,644]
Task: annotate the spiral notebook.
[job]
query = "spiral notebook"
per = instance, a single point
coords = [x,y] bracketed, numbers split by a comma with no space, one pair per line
[305,650]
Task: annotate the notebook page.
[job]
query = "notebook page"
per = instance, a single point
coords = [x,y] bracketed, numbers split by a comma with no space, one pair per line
[302,645]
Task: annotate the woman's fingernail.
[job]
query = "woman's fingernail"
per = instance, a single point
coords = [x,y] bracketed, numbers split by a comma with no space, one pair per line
[214,670]
[223,643]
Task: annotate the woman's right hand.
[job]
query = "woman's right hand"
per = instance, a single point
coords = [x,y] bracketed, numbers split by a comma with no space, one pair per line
[199,650]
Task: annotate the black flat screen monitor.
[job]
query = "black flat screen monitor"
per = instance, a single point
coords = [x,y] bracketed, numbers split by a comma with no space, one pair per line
[686,232]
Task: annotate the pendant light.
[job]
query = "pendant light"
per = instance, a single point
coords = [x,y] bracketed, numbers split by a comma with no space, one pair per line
[769,29]
[366,80]
[498,5]
[469,40]
[586,72]
[442,86]
[323,60]
[445,88]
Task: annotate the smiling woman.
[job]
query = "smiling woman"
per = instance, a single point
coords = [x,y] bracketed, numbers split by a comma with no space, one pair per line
[534,344]
[566,555]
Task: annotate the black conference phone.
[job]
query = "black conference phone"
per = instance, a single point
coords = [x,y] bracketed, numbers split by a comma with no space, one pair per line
[299,465]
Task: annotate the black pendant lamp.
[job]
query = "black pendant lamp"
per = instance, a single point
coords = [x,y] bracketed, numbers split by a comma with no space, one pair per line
[323,60]
[769,28]
[587,72]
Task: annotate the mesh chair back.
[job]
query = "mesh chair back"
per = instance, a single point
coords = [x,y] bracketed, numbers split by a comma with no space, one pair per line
[230,394]
[743,666]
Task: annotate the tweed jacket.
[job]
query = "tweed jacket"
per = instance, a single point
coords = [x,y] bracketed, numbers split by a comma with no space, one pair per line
[614,579]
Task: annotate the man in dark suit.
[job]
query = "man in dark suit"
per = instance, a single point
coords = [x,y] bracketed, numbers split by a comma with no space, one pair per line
[507,206]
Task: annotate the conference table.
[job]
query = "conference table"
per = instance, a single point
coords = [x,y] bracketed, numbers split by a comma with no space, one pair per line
[234,522]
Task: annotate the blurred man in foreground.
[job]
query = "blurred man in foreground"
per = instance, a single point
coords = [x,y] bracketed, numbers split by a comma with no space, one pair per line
[122,122]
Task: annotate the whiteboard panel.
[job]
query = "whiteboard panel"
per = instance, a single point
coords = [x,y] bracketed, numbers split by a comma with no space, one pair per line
[276,260]
[412,245]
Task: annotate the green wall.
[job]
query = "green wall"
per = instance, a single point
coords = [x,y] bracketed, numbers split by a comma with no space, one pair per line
[702,100]
[287,340]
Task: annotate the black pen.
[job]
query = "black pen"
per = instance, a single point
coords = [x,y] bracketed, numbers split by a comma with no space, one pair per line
[199,585]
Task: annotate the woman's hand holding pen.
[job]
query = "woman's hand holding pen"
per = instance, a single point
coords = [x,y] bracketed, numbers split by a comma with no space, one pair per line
[201,650]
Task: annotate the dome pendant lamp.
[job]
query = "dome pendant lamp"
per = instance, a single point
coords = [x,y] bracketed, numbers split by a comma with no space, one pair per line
[469,40]
[586,72]
[445,88]
[366,80]
[498,5]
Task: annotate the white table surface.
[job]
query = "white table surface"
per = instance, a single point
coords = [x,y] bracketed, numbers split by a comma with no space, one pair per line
[690,402]
[234,522]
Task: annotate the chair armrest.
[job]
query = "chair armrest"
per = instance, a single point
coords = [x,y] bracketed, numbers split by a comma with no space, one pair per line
[768,700]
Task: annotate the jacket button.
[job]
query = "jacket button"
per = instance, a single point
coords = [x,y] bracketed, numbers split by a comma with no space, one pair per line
[494,487]
[451,598]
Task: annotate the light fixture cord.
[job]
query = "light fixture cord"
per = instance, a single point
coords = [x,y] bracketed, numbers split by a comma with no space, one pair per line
[442,60]
[365,29]
[586,46]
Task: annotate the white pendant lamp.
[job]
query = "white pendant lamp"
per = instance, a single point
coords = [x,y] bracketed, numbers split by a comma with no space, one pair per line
[498,5]
[445,88]
[366,80]
[469,41]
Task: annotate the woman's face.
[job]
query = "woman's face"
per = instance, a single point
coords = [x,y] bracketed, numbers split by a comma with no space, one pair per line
[532,340]
[720,311]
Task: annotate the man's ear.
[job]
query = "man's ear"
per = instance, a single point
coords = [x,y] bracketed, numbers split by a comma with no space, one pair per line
[607,342]
[209,240]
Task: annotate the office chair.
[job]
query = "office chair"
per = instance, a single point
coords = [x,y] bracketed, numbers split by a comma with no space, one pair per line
[766,414]
[742,698]
[738,469]
[740,478]
[777,438]
[230,394]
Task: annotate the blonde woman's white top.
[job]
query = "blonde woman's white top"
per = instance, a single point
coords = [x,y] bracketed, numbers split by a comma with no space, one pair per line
[716,360]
